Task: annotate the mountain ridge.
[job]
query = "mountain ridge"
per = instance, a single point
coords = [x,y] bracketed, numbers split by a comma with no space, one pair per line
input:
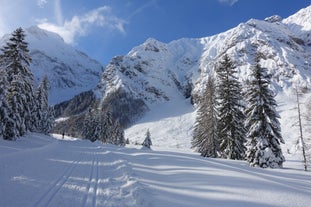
[69,71]
[157,76]
[160,74]
[186,62]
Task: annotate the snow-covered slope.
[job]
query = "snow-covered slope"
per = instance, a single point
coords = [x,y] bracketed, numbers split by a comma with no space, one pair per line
[165,75]
[300,24]
[154,71]
[159,72]
[41,171]
[68,70]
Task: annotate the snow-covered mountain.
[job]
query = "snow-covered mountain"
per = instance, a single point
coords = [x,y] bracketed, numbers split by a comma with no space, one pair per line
[300,24]
[163,76]
[158,72]
[68,70]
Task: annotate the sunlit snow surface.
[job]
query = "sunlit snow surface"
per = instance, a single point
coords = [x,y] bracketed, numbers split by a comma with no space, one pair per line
[170,125]
[38,170]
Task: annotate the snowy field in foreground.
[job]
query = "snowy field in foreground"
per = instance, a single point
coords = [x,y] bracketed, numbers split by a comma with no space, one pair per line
[43,171]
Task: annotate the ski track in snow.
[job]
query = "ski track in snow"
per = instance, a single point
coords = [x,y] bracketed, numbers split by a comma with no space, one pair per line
[73,174]
[40,171]
[89,198]
[48,196]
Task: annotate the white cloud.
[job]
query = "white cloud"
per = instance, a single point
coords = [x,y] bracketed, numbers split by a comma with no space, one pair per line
[80,25]
[228,2]
[41,3]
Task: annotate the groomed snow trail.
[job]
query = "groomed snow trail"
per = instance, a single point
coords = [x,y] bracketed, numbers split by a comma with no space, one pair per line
[66,173]
[41,171]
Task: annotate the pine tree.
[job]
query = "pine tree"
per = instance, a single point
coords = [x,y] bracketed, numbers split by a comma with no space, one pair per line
[3,102]
[99,125]
[15,60]
[43,119]
[118,134]
[205,137]
[232,133]
[50,121]
[147,142]
[106,126]
[264,131]
[91,125]
[86,124]
[16,112]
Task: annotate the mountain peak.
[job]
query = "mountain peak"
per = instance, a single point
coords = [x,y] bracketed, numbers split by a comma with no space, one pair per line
[153,45]
[157,72]
[300,21]
[39,33]
[69,71]
[274,18]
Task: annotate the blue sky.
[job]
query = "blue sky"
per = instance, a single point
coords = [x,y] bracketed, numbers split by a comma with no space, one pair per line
[106,28]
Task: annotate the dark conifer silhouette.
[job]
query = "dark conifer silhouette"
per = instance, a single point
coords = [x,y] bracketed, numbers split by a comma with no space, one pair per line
[264,131]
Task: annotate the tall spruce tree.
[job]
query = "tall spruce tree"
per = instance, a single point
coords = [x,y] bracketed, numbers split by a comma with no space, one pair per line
[264,131]
[86,124]
[15,60]
[3,102]
[232,133]
[91,125]
[43,118]
[205,136]
[51,119]
[118,134]
[107,126]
